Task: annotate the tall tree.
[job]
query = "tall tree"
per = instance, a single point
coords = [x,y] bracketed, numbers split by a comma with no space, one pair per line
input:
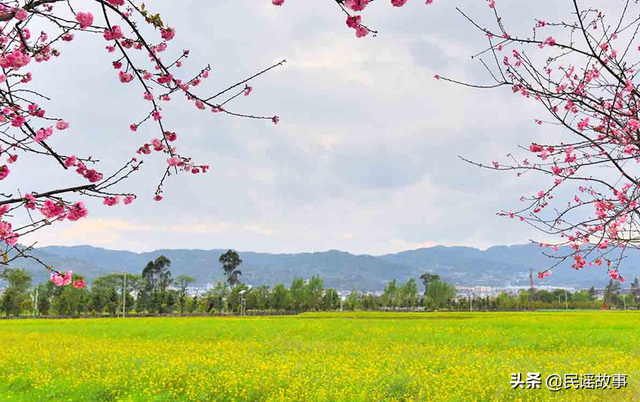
[157,278]
[230,262]
[439,294]
[183,282]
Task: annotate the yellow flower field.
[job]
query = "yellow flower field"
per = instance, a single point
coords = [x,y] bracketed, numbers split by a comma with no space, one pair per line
[318,357]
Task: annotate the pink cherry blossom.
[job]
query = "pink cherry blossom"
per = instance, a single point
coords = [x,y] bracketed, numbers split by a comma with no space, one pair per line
[125,77]
[168,34]
[77,211]
[21,14]
[61,280]
[4,172]
[84,19]
[356,5]
[114,33]
[62,125]
[111,201]
[79,284]
[354,21]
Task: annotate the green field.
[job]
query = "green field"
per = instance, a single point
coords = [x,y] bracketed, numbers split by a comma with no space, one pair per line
[317,357]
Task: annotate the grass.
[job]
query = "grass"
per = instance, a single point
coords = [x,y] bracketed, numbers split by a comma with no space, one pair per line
[317,357]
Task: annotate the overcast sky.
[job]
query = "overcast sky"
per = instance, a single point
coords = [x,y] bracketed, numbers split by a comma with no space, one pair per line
[365,158]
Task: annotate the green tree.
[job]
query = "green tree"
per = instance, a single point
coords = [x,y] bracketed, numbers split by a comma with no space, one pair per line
[156,278]
[314,289]
[389,296]
[18,281]
[353,300]
[71,301]
[427,278]
[280,298]
[216,298]
[183,282]
[408,294]
[330,300]
[298,294]
[230,262]
[438,294]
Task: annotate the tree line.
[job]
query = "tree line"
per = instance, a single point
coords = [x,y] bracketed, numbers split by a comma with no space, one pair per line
[156,291]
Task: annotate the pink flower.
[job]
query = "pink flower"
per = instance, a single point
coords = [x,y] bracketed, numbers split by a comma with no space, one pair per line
[125,77]
[247,90]
[356,5]
[77,211]
[275,119]
[133,127]
[398,3]
[79,284]
[21,14]
[543,274]
[61,280]
[51,209]
[62,125]
[361,32]
[495,164]
[18,121]
[84,19]
[277,2]
[129,199]
[353,22]
[43,134]
[174,161]
[583,124]
[157,145]
[70,161]
[114,33]
[4,172]
[168,34]
[116,3]
[111,201]
[157,198]
[30,201]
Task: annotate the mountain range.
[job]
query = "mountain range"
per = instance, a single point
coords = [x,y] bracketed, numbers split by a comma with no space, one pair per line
[462,266]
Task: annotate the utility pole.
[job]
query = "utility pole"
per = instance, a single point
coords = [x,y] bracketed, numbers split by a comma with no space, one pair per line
[530,285]
[35,304]
[566,303]
[124,296]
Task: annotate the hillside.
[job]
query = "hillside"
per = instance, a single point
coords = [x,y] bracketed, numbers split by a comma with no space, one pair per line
[497,266]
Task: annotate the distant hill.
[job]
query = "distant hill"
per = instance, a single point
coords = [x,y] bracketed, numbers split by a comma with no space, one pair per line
[497,266]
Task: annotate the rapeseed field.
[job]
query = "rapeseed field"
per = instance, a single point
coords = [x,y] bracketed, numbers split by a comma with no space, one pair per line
[318,357]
